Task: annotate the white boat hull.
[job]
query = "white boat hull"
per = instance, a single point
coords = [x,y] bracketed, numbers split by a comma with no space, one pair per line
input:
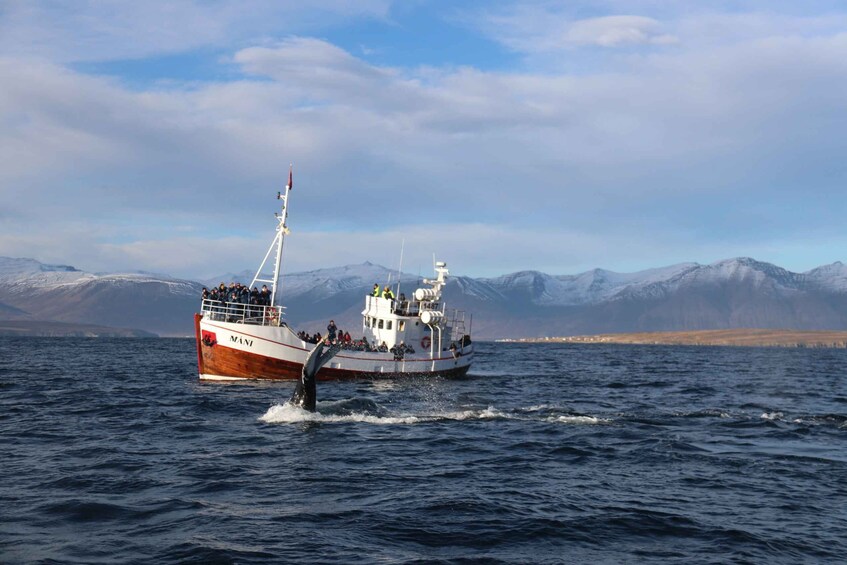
[236,351]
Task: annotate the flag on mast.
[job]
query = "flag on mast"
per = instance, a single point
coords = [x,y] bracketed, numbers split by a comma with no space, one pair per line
[290,177]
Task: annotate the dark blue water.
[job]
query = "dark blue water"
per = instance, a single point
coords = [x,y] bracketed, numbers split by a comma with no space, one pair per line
[111,450]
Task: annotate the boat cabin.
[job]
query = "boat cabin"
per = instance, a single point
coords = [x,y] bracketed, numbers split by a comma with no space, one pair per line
[422,324]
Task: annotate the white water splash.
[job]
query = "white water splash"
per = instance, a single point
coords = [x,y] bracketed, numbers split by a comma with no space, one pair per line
[771,415]
[333,412]
[592,420]
[540,408]
[287,413]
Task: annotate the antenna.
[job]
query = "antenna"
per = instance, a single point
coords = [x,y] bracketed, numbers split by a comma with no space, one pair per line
[400,268]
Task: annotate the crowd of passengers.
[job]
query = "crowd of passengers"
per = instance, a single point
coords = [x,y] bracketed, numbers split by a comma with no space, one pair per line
[336,336]
[238,293]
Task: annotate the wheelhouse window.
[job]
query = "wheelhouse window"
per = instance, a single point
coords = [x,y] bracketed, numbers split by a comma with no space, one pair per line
[401,325]
[388,325]
[380,324]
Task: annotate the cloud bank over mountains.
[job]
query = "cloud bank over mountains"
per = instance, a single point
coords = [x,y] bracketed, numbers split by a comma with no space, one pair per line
[501,136]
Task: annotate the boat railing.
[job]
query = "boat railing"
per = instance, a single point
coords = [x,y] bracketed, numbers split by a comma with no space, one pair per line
[236,312]
[457,325]
[378,305]
[413,307]
[407,307]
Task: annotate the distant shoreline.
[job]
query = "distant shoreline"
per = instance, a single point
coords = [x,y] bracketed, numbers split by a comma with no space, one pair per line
[730,338]
[32,328]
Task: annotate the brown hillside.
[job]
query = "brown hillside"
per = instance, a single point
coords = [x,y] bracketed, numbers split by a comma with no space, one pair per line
[736,337]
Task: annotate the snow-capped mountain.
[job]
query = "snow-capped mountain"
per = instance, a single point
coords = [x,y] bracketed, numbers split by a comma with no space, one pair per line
[323,283]
[734,293]
[154,303]
[599,285]
[832,278]
[586,288]
[14,271]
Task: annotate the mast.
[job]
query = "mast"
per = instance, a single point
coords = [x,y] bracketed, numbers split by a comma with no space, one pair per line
[281,231]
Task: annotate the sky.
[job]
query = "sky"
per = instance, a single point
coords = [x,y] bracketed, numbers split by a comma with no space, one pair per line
[498,136]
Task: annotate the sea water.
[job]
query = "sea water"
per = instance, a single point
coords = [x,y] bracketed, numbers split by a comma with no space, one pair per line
[112,450]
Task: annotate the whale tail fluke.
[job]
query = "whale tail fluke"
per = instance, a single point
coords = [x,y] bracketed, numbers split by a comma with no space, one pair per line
[305,394]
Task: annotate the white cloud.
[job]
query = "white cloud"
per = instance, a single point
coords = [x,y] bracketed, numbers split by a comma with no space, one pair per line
[714,147]
[114,29]
[550,34]
[539,28]
[612,31]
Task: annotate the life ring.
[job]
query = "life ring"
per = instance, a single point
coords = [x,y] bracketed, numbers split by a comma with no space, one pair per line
[425,342]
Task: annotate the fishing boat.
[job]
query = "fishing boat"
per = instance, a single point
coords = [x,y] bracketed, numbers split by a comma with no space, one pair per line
[420,336]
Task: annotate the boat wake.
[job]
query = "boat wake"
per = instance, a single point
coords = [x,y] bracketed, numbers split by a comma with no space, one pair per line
[369,412]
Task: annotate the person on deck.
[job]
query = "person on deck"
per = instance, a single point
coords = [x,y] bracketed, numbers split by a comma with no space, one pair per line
[399,351]
[253,301]
[375,290]
[331,330]
[234,311]
[386,293]
[214,302]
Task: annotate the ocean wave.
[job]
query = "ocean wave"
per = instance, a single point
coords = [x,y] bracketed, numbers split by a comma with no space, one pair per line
[706,413]
[837,420]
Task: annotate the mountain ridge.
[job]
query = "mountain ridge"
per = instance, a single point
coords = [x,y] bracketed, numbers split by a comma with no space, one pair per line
[730,293]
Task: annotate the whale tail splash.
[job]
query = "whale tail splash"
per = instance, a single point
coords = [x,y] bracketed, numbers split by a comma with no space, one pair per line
[305,394]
